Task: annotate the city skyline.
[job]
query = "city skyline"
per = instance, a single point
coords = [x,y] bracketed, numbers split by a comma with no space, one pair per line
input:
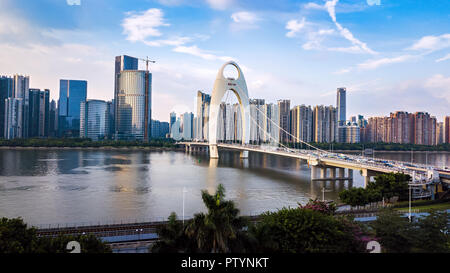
[386,52]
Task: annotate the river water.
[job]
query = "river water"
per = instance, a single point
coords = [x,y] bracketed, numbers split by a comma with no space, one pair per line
[109,186]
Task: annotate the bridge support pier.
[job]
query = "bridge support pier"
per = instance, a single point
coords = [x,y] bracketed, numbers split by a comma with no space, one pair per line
[213,151]
[341,172]
[323,173]
[350,174]
[313,172]
[244,154]
[333,172]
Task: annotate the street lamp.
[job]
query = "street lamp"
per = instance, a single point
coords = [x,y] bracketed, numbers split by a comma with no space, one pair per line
[409,216]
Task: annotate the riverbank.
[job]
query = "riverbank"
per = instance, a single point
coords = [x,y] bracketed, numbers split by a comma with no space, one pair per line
[120,148]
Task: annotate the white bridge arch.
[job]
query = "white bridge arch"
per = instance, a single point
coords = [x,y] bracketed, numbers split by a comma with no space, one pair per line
[221,86]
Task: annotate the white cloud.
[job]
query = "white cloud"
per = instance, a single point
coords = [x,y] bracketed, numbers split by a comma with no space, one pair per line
[350,49]
[244,17]
[372,64]
[139,26]
[195,51]
[312,5]
[175,41]
[373,2]
[219,4]
[73,2]
[343,71]
[432,43]
[439,86]
[446,57]
[295,26]
[331,8]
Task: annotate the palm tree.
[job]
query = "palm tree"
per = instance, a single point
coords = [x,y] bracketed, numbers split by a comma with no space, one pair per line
[218,230]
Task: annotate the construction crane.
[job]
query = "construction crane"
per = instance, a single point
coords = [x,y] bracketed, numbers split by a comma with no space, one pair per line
[147,61]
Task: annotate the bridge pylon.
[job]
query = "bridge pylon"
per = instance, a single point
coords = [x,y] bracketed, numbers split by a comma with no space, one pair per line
[239,88]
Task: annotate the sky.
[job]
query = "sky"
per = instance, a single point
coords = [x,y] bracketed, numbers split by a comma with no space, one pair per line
[391,55]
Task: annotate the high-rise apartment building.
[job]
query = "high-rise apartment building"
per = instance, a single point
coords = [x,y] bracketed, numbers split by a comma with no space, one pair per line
[325,124]
[71,94]
[94,119]
[341,105]
[284,108]
[424,129]
[39,113]
[439,133]
[302,123]
[349,133]
[403,127]
[6,91]
[133,113]
[202,118]
[257,120]
[446,128]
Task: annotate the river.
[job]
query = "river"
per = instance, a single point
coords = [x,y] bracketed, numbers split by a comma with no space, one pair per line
[106,186]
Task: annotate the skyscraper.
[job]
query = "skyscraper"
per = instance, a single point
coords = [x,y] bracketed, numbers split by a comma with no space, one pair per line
[172,120]
[20,91]
[133,113]
[284,107]
[71,94]
[111,120]
[39,107]
[94,119]
[341,105]
[186,124]
[52,130]
[122,63]
[203,101]
[13,118]
[6,91]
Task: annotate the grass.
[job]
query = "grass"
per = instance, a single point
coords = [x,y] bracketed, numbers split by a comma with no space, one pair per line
[437,206]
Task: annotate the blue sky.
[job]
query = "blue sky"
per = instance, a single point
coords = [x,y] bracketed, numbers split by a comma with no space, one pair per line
[391,55]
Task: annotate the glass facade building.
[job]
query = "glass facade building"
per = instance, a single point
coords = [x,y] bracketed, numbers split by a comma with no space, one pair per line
[133,119]
[13,118]
[71,94]
[122,63]
[341,105]
[39,107]
[94,119]
[6,91]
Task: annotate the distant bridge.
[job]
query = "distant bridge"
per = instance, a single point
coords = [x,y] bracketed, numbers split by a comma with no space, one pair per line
[316,158]
[336,162]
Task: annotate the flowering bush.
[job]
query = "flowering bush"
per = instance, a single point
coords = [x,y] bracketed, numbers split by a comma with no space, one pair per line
[321,206]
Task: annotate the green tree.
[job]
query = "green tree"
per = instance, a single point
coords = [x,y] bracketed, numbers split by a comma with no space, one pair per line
[304,231]
[393,231]
[16,237]
[172,237]
[432,232]
[219,229]
[354,196]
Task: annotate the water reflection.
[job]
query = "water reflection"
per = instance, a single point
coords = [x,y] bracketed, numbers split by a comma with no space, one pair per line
[68,186]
